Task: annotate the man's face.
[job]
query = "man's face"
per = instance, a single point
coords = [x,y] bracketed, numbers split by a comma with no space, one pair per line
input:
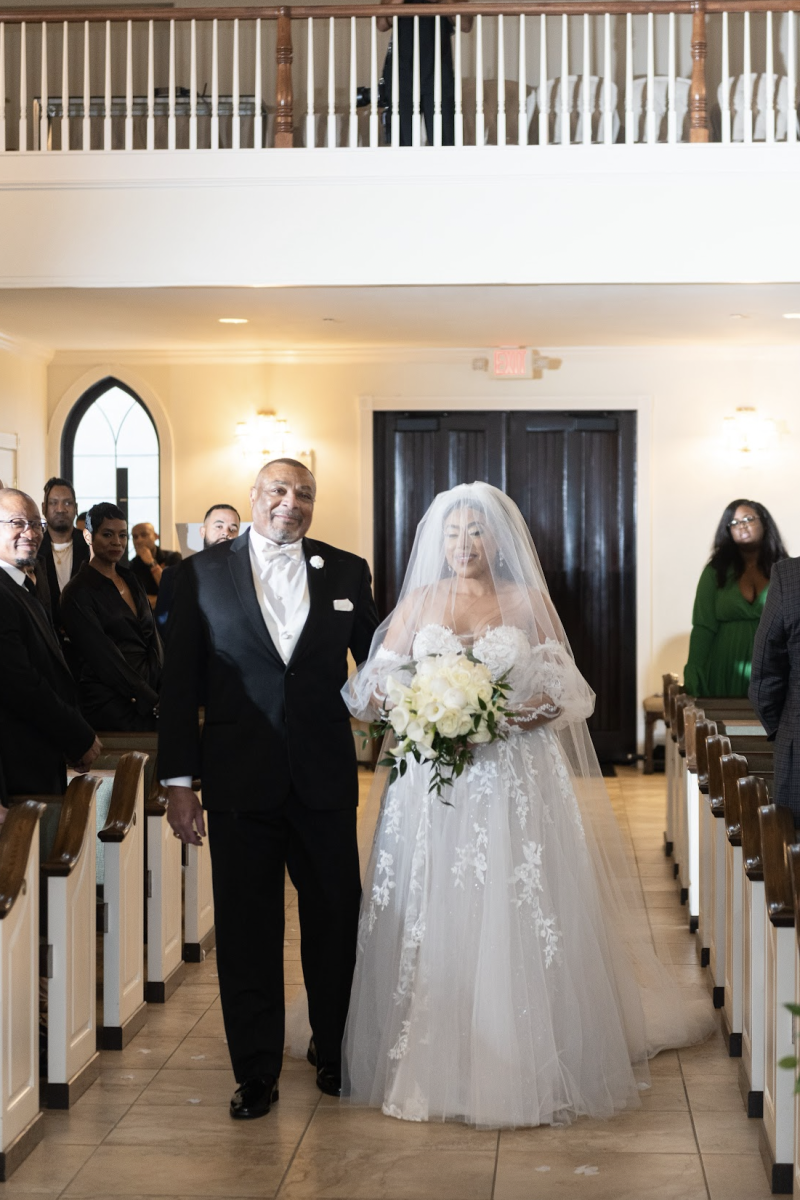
[222,526]
[282,500]
[144,537]
[60,510]
[19,546]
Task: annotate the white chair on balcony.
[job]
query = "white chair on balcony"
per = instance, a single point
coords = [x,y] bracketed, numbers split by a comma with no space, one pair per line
[760,102]
[660,105]
[575,104]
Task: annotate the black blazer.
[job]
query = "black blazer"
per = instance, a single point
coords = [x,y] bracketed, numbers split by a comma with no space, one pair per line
[119,651]
[775,678]
[80,555]
[41,726]
[270,728]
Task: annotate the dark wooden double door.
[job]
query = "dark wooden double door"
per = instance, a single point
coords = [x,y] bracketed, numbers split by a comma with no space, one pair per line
[573,476]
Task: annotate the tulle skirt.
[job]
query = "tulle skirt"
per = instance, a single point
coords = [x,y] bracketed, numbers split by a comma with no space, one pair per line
[497,981]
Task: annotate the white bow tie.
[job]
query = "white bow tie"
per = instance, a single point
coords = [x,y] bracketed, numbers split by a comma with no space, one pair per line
[293,551]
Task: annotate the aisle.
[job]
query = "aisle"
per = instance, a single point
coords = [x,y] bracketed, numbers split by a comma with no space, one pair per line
[156,1123]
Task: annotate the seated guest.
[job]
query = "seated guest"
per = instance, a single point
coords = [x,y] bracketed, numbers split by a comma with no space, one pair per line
[63,547]
[109,623]
[41,727]
[730,599]
[150,560]
[220,524]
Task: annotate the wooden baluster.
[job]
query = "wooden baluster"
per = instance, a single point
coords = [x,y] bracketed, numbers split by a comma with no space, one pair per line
[416,115]
[107,91]
[698,102]
[284,101]
[630,115]
[791,79]
[373,82]
[672,116]
[87,91]
[236,132]
[311,117]
[353,128]
[544,94]
[608,111]
[395,86]
[215,84]
[769,108]
[64,87]
[459,111]
[522,96]
[2,88]
[44,98]
[331,84]
[501,82]
[172,140]
[566,97]
[587,108]
[128,88]
[651,81]
[193,86]
[747,113]
[437,82]
[480,124]
[151,85]
[258,116]
[23,89]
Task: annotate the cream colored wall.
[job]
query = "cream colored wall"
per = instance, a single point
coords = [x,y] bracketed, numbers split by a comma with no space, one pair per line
[685,476]
[23,412]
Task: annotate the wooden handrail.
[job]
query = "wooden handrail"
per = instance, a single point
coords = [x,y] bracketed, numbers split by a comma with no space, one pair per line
[121,810]
[793,859]
[16,836]
[71,832]
[55,16]
[155,804]
[753,795]
[777,832]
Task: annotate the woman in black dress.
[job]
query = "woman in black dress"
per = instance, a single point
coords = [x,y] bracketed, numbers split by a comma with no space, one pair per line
[110,625]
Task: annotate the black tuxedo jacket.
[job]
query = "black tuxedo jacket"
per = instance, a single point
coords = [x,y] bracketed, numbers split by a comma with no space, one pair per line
[775,679]
[40,723]
[271,728]
[80,555]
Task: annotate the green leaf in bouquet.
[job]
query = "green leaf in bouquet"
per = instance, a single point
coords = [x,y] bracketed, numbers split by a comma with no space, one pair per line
[794,1009]
[788,1063]
[403,766]
[481,704]
[392,775]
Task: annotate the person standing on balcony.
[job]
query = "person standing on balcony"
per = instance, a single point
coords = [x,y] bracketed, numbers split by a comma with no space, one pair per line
[427,63]
[730,599]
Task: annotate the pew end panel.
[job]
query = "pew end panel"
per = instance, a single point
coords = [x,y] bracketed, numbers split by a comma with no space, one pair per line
[199,935]
[69,874]
[671,689]
[165,965]
[124,1007]
[21,1127]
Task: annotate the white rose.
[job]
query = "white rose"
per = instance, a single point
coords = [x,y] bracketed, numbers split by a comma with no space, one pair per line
[437,686]
[480,736]
[448,725]
[427,666]
[466,725]
[455,697]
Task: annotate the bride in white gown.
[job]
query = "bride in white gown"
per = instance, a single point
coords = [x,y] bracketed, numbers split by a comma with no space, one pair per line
[505,972]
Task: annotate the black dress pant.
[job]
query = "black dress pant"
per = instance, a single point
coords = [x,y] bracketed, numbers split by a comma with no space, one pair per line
[405,79]
[250,852]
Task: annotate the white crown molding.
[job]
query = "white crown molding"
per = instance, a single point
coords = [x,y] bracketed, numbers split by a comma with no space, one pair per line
[22,347]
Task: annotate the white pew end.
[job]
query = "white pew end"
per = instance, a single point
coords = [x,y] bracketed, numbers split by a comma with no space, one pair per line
[752,796]
[199,935]
[165,967]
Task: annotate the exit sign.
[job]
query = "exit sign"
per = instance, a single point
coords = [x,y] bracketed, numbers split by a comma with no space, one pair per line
[512,362]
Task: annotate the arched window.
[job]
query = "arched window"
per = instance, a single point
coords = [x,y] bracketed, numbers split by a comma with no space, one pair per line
[110,451]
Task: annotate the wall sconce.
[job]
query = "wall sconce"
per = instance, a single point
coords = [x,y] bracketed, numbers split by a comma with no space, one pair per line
[748,433]
[268,436]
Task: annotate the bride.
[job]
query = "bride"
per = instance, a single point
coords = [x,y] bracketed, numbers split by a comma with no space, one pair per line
[505,973]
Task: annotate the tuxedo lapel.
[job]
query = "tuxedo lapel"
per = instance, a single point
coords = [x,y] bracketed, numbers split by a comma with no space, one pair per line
[318,589]
[38,614]
[242,573]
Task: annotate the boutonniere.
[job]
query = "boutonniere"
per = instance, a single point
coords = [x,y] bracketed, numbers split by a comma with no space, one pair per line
[316,561]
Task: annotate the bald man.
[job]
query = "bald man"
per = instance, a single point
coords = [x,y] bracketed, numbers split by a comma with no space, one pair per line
[150,560]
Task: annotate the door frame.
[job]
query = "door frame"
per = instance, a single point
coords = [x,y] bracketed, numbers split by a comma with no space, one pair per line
[642,405]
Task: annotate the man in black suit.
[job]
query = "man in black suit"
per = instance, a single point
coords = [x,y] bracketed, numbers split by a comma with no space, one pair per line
[259,633]
[775,679]
[41,727]
[63,550]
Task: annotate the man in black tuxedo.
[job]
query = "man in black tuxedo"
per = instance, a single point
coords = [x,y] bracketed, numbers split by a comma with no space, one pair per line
[41,727]
[63,549]
[259,633]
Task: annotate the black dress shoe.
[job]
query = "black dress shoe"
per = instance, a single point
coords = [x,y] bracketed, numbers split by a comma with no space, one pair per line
[329,1080]
[254,1098]
[311,1053]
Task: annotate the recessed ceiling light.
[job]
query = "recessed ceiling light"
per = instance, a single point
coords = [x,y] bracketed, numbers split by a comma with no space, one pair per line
[791,316]
[233,320]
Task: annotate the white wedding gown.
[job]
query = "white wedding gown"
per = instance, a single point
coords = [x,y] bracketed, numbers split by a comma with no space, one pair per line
[497,982]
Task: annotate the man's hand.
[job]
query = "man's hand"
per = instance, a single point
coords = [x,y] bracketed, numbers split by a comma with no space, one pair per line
[146,555]
[94,751]
[185,815]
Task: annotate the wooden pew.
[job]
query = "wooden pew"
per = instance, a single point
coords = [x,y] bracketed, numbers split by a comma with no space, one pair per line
[711,934]
[671,688]
[69,876]
[793,855]
[693,716]
[703,730]
[753,795]
[124,1008]
[165,965]
[777,1132]
[732,768]
[687,801]
[20,1119]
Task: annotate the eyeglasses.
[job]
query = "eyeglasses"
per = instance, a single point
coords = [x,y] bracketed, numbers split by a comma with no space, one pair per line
[19,524]
[743,521]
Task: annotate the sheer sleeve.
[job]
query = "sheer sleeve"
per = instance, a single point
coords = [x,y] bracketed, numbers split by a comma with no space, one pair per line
[550,674]
[365,691]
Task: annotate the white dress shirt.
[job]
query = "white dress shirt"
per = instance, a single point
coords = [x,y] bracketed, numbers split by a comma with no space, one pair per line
[62,557]
[280,579]
[15,573]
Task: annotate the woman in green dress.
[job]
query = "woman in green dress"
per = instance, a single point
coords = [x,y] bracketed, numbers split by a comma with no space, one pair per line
[730,599]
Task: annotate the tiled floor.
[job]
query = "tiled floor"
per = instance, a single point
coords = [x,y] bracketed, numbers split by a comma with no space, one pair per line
[156,1123]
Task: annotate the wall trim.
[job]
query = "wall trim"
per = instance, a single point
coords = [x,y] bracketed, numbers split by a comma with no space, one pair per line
[157,410]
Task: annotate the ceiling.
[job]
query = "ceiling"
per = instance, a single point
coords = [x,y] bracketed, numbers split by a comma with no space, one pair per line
[187,319]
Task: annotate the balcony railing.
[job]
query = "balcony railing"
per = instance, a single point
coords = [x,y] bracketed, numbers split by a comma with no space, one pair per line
[587,72]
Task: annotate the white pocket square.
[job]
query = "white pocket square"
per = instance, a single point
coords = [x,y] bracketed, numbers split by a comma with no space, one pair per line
[343,605]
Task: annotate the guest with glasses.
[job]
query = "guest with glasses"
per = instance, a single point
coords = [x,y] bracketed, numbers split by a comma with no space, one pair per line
[730,599]
[41,726]
[108,619]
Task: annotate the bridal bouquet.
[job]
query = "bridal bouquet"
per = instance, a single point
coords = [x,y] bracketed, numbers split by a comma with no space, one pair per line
[449,705]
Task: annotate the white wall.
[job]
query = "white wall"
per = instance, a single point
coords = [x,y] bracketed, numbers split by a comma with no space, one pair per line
[23,413]
[685,475]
